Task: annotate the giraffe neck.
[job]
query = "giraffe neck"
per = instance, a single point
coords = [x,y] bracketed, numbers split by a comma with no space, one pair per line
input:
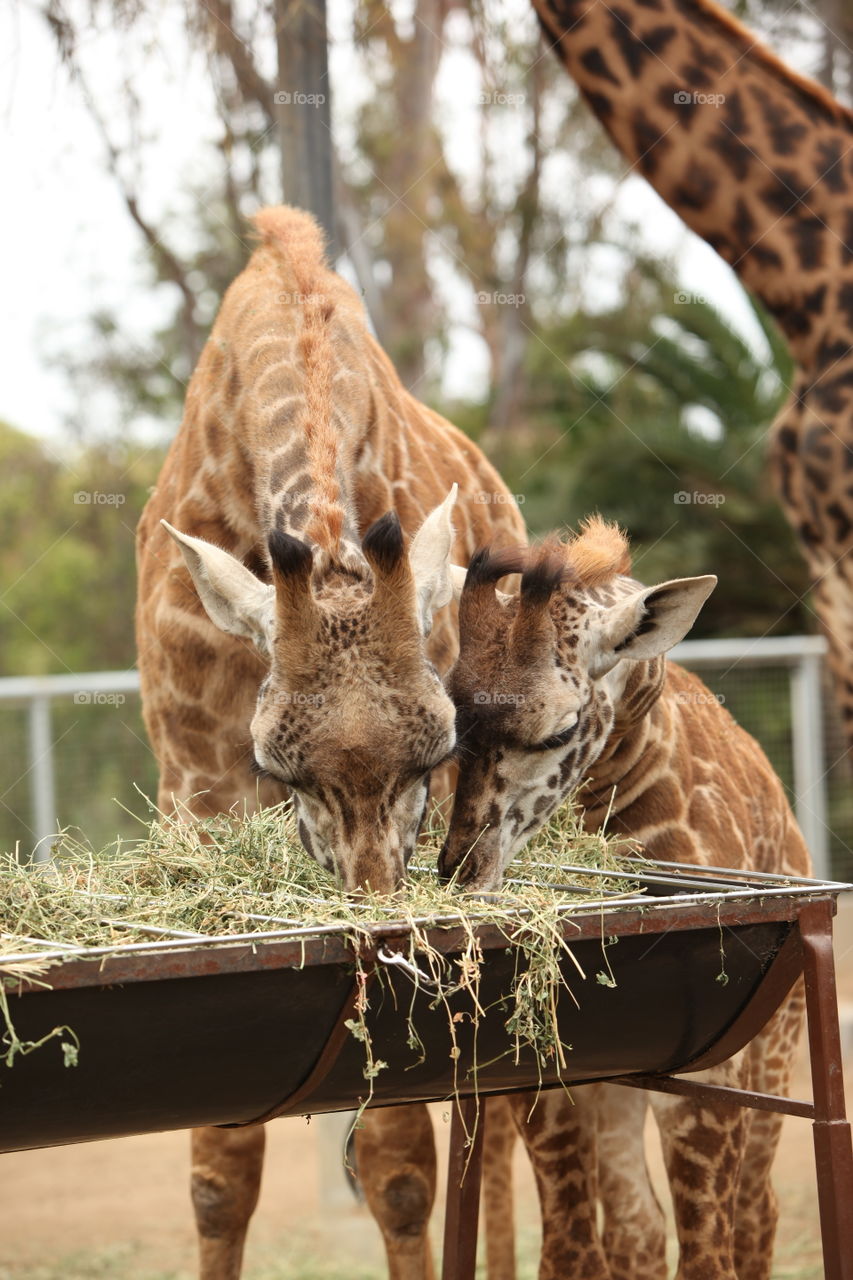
[756,159]
[624,769]
[301,481]
[286,408]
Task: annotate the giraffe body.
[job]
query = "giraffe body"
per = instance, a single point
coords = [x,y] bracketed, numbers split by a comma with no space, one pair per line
[287,623]
[759,161]
[595,705]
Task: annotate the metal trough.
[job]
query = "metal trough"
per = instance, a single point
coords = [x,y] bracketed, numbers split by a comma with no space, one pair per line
[187,1030]
[194,1031]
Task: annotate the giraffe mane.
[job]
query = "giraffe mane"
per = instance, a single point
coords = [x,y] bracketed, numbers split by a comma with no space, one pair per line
[758,52]
[597,553]
[297,237]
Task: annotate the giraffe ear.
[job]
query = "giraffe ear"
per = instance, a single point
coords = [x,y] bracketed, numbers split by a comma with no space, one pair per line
[233,598]
[457,580]
[429,557]
[648,623]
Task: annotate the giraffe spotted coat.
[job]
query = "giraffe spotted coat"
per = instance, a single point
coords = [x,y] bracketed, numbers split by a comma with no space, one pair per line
[564,686]
[759,161]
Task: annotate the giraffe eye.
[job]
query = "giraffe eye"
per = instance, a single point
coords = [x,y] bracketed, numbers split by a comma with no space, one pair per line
[561,739]
[264,774]
[260,772]
[420,771]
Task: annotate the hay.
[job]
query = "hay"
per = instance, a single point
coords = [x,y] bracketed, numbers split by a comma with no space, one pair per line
[224,877]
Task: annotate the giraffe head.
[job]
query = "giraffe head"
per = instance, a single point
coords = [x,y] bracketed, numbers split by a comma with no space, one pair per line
[351,717]
[541,680]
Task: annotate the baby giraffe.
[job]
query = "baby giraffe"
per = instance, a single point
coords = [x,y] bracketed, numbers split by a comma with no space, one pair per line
[565,685]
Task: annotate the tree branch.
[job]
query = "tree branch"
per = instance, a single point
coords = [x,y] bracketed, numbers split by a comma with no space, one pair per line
[168,265]
[230,46]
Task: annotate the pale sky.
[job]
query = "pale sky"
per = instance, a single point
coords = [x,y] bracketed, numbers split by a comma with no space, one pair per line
[68,243]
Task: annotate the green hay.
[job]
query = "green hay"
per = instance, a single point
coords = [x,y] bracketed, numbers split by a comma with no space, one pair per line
[222,876]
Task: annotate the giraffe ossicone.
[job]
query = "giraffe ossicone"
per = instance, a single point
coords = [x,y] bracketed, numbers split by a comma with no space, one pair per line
[237,601]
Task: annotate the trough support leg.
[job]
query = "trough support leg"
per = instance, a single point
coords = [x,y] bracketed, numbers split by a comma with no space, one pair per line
[832,1138]
[464,1175]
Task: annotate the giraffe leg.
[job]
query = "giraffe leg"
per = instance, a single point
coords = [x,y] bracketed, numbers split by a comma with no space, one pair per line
[395,1149]
[499,1143]
[757,1211]
[560,1137]
[703,1149]
[226,1163]
[771,1057]
[634,1228]
[226,1179]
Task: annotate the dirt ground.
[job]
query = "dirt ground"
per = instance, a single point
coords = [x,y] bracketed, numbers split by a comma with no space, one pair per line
[121,1209]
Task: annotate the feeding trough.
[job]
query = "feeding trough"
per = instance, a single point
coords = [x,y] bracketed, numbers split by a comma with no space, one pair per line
[675,971]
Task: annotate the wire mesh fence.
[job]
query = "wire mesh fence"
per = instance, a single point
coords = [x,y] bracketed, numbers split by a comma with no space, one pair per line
[809,751]
[99,759]
[73,750]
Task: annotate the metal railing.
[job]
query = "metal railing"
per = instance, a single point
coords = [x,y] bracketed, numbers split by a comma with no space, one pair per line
[37,693]
[802,656]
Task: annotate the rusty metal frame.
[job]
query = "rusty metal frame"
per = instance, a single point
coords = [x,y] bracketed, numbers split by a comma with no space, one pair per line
[464,1176]
[812,948]
[297,948]
[833,1152]
[719,898]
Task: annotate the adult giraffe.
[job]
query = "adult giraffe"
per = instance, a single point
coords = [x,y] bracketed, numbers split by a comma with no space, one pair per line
[759,162]
[287,623]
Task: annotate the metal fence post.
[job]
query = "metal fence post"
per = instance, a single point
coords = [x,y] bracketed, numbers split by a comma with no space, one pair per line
[809,782]
[41,776]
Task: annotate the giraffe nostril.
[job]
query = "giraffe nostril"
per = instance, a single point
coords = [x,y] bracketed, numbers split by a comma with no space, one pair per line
[451,866]
[445,868]
[305,838]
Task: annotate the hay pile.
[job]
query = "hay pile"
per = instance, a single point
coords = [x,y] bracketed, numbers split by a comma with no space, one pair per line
[224,877]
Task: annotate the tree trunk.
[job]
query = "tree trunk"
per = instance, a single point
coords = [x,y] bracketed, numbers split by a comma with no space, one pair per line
[410,305]
[303,111]
[510,386]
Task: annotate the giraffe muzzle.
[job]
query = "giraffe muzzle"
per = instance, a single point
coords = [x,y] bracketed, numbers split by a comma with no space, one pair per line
[475,868]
